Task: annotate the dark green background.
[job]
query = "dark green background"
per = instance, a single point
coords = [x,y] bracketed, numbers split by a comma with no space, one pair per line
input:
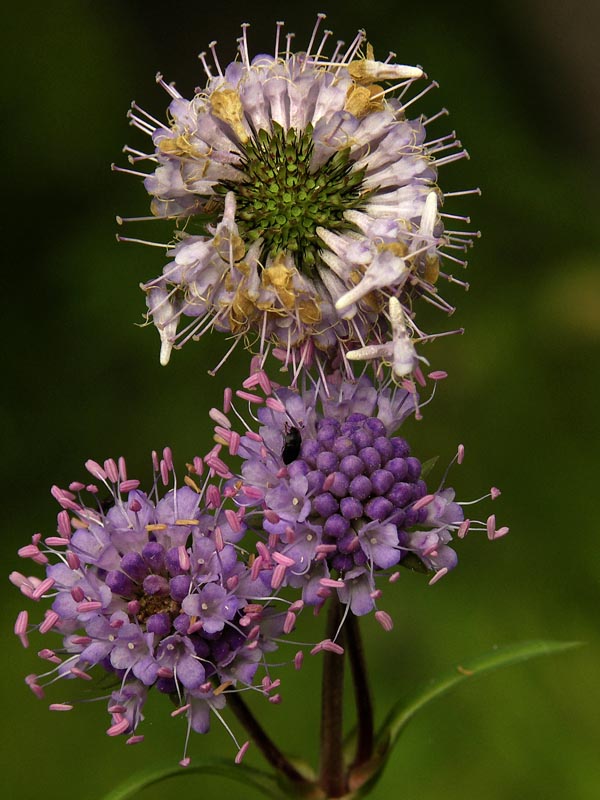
[82,381]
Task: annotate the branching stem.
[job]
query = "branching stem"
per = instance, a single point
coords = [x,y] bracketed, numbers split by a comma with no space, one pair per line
[262,740]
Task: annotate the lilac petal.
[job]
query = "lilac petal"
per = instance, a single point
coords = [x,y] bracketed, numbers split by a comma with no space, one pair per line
[190,672]
[357,590]
[182,504]
[380,543]
[146,670]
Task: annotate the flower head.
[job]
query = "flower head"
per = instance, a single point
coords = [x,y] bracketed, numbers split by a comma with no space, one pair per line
[339,497]
[152,590]
[306,201]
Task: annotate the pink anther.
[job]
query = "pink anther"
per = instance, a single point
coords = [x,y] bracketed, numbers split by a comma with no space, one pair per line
[241,752]
[384,619]
[278,576]
[249,397]
[423,501]
[129,486]
[50,620]
[111,469]
[95,469]
[438,575]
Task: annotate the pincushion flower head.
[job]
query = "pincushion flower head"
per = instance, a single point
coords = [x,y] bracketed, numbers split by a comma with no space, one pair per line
[306,201]
[154,591]
[334,493]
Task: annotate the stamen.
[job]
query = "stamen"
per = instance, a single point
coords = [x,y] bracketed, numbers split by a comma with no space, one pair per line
[326,35]
[320,18]
[279,25]
[212,48]
[464,192]
[21,627]
[245,53]
[438,575]
[168,87]
[288,45]
[202,57]
[353,49]
[162,245]
[449,159]
[384,619]
[116,168]
[242,752]
[152,119]
[441,113]
[432,85]
[339,44]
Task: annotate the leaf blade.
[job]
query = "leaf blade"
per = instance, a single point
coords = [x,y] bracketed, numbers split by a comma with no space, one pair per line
[401,714]
[258,779]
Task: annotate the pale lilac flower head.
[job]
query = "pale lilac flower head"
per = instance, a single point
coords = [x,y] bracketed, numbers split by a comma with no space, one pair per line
[151,589]
[305,197]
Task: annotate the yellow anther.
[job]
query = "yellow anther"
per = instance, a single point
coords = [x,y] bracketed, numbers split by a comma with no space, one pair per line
[363,100]
[191,483]
[432,269]
[179,146]
[220,689]
[227,106]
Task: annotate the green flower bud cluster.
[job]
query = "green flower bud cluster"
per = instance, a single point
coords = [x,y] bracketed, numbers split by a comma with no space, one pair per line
[283,200]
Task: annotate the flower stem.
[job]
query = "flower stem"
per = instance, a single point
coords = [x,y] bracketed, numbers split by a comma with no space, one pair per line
[332,773]
[262,740]
[362,692]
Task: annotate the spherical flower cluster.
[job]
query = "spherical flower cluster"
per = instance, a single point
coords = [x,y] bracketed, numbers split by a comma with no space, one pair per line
[338,495]
[306,199]
[153,591]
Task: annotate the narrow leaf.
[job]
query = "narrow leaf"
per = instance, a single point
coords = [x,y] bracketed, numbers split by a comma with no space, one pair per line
[403,711]
[364,779]
[249,776]
[428,465]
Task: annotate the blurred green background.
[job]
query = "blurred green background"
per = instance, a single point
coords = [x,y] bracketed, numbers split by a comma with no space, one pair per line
[81,380]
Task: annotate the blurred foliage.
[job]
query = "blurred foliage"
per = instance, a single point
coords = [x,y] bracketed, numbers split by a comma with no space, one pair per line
[84,381]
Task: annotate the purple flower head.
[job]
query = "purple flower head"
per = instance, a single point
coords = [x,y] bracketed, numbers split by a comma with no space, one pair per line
[341,501]
[147,588]
[322,203]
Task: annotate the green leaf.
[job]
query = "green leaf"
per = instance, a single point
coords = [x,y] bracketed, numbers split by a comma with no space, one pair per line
[403,712]
[428,465]
[249,776]
[366,776]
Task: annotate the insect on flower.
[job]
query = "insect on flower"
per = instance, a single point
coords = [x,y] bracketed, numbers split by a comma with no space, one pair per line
[292,444]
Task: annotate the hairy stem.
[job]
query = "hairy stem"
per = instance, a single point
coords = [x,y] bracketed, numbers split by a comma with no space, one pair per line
[262,740]
[362,693]
[332,772]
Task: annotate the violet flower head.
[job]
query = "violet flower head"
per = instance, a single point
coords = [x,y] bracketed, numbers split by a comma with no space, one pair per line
[335,495]
[305,196]
[149,588]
